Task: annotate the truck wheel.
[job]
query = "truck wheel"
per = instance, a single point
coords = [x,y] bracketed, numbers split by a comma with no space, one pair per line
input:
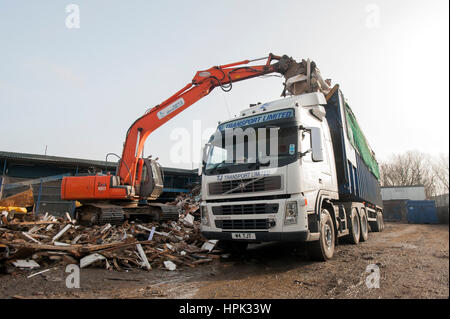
[323,249]
[364,226]
[377,226]
[355,230]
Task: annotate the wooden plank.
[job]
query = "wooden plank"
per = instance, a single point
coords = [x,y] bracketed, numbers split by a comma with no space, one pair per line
[111,246]
[202,261]
[58,235]
[141,252]
[30,238]
[41,222]
[76,239]
[42,246]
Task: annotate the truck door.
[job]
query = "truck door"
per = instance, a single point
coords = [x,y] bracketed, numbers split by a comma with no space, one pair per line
[325,164]
[310,169]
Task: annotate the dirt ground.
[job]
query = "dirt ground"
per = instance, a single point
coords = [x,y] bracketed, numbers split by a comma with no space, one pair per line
[413,262]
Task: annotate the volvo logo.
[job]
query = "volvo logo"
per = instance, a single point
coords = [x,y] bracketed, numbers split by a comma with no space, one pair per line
[242,185]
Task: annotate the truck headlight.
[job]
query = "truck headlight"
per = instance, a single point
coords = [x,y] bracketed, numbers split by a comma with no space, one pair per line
[204,215]
[291,213]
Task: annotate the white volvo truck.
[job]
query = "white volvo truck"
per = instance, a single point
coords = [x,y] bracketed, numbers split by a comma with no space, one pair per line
[325,184]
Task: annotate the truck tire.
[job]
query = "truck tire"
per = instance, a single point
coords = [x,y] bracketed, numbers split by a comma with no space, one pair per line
[377,226]
[323,249]
[364,226]
[354,226]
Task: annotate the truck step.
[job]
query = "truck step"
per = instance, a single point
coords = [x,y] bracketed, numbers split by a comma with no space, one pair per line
[343,217]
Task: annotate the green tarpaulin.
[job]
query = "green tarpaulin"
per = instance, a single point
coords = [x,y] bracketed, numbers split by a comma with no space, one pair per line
[359,141]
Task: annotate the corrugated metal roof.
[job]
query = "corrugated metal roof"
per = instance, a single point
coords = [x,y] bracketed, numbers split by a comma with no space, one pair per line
[53,159]
[415,192]
[402,186]
[26,157]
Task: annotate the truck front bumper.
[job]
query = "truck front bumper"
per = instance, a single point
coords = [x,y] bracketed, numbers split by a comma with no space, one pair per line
[296,236]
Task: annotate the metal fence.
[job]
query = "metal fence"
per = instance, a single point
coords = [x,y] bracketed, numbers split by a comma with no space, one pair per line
[46,193]
[442,204]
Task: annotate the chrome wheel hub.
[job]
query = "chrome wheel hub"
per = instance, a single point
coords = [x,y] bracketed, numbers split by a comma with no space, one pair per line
[328,235]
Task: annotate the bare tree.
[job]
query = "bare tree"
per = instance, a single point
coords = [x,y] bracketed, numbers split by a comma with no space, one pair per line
[417,168]
[440,168]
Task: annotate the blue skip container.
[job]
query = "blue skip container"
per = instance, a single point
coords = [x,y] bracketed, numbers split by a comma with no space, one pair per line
[421,212]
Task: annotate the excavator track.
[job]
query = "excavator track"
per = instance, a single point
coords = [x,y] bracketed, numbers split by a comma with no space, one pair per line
[93,214]
[113,215]
[104,213]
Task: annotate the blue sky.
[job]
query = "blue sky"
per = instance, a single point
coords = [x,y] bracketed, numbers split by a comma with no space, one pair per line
[78,90]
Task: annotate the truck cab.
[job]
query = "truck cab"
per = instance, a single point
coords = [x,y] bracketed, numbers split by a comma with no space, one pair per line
[270,175]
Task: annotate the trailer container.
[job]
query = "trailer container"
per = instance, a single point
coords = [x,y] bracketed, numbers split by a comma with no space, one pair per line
[356,181]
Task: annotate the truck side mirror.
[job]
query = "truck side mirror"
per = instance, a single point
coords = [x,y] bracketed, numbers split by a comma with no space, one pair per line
[316,144]
[205,152]
[200,169]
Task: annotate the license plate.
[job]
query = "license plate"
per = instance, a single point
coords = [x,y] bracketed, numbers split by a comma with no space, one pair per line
[243,236]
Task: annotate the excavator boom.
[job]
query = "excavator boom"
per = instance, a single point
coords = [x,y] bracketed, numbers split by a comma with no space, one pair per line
[110,198]
[138,178]
[202,84]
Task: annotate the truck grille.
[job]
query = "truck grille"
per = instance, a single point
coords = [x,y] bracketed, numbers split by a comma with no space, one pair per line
[245,224]
[269,183]
[245,209]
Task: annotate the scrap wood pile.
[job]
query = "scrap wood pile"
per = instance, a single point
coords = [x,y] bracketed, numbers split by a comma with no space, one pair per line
[18,205]
[48,240]
[189,202]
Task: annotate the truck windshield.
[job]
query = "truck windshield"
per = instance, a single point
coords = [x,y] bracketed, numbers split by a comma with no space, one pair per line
[269,146]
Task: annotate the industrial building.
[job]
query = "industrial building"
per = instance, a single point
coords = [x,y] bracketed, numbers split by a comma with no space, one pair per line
[19,171]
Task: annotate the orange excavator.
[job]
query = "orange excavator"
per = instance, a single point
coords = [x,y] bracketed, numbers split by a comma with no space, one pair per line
[111,198]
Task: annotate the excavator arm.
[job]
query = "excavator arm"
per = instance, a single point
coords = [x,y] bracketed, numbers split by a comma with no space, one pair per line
[139,178]
[202,84]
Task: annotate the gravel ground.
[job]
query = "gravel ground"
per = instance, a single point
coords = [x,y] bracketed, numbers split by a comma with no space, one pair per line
[413,262]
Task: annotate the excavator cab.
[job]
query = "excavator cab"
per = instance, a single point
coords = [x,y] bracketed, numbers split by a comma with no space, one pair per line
[152,180]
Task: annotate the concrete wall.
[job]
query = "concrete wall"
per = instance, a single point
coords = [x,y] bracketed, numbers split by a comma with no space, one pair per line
[406,192]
